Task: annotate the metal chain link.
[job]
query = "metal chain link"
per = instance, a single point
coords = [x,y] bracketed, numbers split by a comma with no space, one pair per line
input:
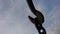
[38,20]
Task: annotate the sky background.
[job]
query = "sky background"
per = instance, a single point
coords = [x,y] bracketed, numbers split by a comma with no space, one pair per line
[14,16]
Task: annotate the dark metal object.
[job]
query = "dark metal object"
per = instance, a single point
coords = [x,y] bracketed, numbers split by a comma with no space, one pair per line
[38,20]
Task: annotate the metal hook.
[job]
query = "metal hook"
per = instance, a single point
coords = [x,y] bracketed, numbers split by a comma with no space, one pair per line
[39,20]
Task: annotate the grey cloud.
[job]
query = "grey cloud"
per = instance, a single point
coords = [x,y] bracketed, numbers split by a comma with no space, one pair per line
[54,28]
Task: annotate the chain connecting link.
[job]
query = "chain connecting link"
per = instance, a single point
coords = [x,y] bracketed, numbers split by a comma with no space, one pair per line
[38,20]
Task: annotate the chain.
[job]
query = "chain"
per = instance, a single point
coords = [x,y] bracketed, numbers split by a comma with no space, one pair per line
[38,20]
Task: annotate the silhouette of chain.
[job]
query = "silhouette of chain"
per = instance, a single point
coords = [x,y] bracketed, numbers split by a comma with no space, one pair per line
[38,20]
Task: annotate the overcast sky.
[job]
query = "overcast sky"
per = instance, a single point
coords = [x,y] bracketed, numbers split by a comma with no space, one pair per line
[14,16]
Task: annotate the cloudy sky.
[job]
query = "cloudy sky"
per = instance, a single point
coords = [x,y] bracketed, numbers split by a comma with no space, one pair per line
[14,16]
